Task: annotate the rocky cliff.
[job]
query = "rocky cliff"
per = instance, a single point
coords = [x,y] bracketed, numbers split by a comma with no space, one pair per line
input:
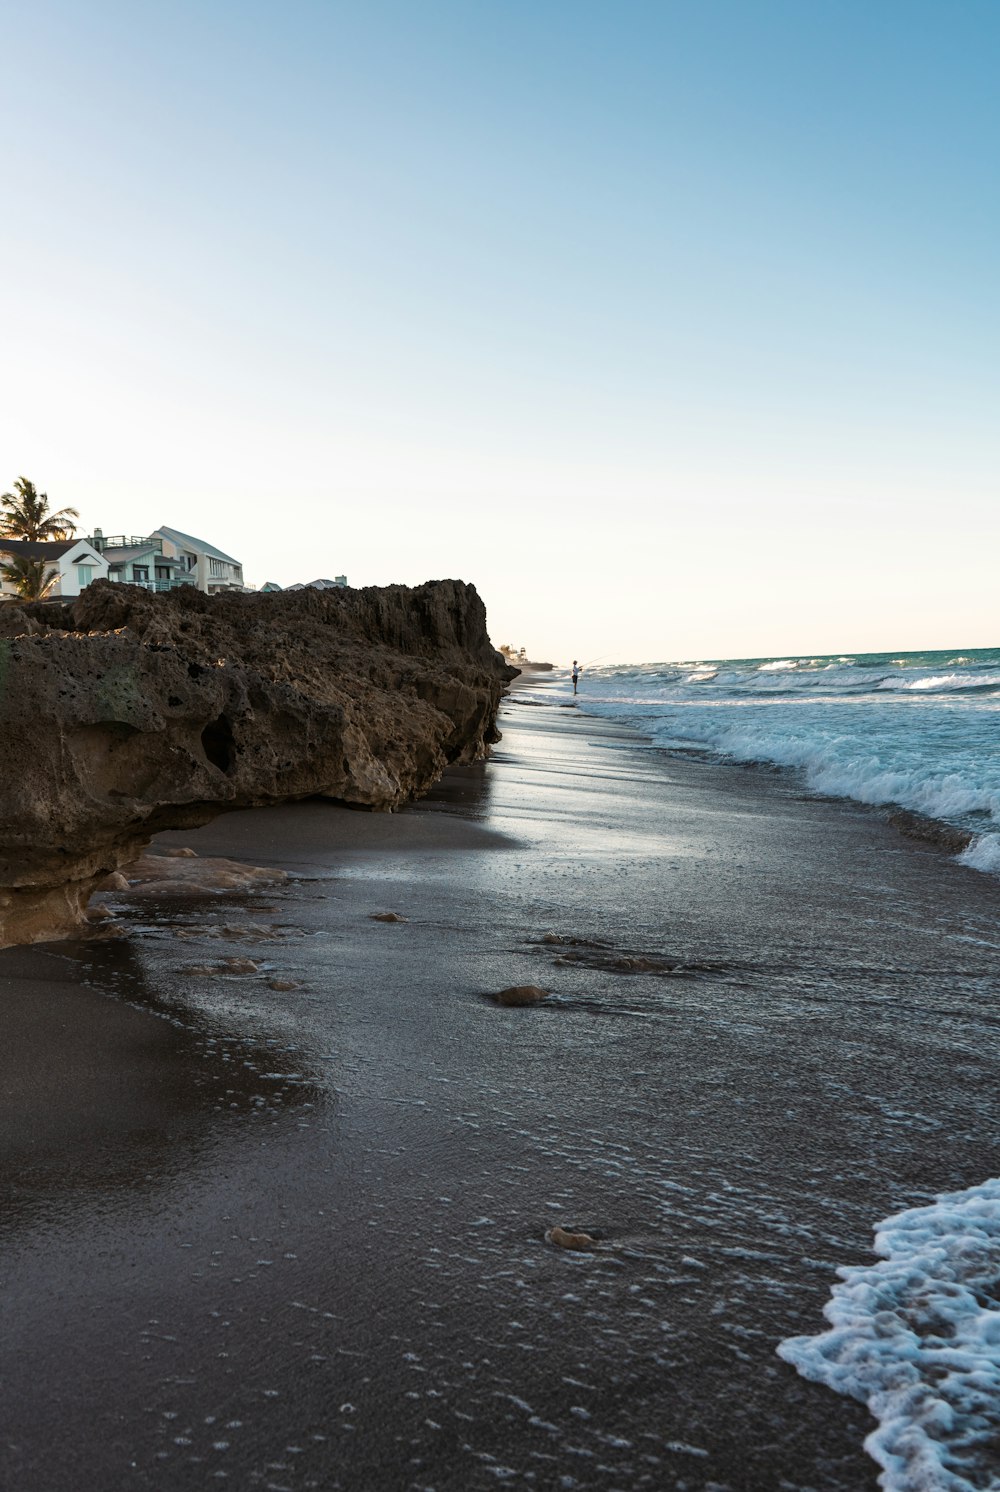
[125,713]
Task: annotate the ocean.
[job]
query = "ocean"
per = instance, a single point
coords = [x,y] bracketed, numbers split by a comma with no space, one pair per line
[915,1333]
[917,730]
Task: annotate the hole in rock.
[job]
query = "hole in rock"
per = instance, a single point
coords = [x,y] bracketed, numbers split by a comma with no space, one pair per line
[219,744]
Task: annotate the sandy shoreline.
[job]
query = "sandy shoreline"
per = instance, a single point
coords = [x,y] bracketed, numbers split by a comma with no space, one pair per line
[297,1237]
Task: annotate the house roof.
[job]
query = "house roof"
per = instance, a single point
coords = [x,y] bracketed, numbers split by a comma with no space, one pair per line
[177,537]
[315,585]
[37,549]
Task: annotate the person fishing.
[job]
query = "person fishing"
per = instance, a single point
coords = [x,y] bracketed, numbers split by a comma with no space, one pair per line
[577,671]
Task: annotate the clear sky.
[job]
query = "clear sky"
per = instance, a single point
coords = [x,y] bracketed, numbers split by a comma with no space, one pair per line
[674,326]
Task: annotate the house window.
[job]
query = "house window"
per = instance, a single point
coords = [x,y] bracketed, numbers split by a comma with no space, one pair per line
[140,572]
[86,574]
[162,573]
[217,567]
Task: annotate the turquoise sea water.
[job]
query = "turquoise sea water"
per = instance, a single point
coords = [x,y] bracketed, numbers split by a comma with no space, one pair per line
[913,1333]
[920,730]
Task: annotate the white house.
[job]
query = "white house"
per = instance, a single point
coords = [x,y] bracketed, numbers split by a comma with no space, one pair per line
[138,559]
[74,563]
[210,568]
[163,560]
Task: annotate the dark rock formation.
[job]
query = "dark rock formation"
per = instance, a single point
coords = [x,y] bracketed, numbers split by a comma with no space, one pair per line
[521,994]
[125,713]
[932,831]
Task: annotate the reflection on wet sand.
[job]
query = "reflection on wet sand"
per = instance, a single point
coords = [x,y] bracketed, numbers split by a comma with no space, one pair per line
[321,1262]
[113,1078]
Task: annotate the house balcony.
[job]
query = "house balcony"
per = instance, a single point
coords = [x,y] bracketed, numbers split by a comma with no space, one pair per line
[156,585]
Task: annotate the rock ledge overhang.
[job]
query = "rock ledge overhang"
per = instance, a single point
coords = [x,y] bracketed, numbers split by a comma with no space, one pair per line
[125,713]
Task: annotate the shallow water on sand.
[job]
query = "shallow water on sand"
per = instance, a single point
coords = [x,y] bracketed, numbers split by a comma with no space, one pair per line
[918,731]
[294,1239]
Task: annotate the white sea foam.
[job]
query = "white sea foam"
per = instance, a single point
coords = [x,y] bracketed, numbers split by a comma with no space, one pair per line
[919,732]
[983,853]
[940,683]
[843,769]
[916,1337]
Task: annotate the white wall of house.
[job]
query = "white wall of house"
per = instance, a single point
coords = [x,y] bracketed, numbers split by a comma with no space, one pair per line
[79,568]
[75,568]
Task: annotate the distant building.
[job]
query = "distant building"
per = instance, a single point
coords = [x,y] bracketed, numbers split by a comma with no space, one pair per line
[166,559]
[74,562]
[339,583]
[213,571]
[270,585]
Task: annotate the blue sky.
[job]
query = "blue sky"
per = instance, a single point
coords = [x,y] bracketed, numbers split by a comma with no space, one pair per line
[672,326]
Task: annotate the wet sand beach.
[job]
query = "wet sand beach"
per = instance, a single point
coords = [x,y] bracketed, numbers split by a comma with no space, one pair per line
[294,1238]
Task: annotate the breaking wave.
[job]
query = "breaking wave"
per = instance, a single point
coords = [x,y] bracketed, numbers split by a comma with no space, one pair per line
[916,1337]
[983,853]
[916,732]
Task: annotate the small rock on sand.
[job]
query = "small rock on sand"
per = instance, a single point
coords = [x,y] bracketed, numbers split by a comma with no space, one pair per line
[181,854]
[521,994]
[227,966]
[564,1239]
[114,882]
[283,984]
[387,917]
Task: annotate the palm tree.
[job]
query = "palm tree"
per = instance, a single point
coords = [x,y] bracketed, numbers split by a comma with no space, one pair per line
[32,579]
[25,515]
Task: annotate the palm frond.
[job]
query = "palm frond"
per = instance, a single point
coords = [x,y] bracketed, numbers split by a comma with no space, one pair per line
[24,514]
[32,579]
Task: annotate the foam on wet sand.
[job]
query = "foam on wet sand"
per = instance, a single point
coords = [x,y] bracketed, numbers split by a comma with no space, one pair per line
[916,1337]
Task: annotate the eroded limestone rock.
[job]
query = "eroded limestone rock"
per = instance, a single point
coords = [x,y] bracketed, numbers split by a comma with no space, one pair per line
[521,994]
[166,875]
[563,1238]
[233,965]
[125,713]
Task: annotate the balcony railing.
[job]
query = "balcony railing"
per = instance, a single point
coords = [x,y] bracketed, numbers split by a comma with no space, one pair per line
[156,585]
[126,541]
